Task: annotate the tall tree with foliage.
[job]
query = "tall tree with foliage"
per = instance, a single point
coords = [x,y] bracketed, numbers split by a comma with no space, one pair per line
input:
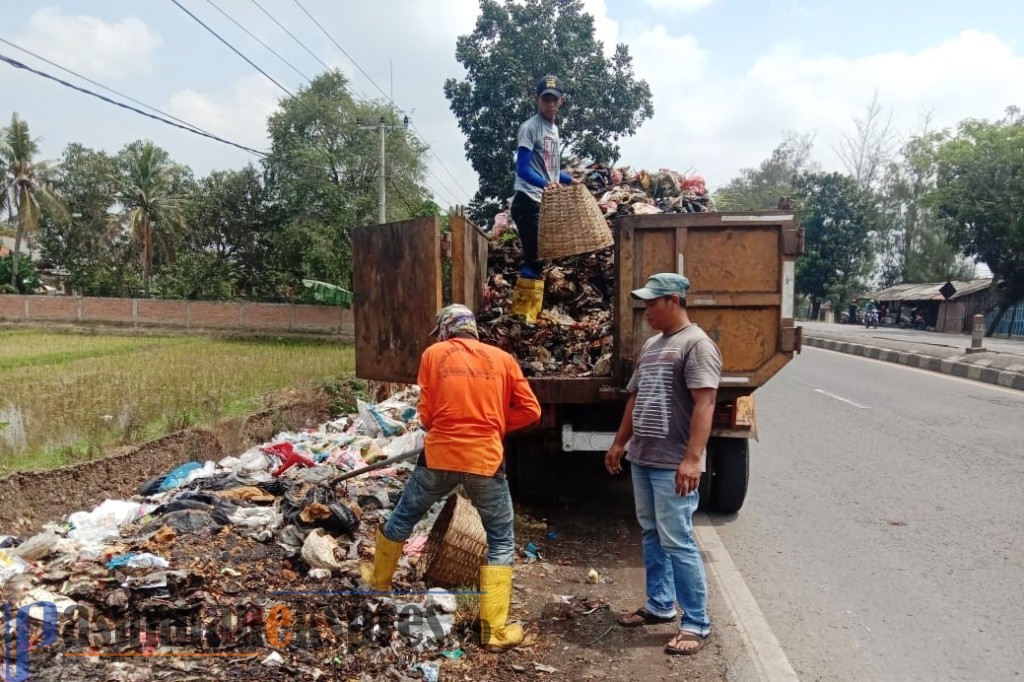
[513,45]
[840,224]
[227,249]
[77,238]
[916,248]
[980,194]
[323,170]
[150,189]
[868,150]
[762,187]
[23,181]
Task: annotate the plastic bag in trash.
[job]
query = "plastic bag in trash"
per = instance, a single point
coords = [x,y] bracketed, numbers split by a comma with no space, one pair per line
[105,520]
[178,475]
[320,550]
[375,423]
[152,486]
[184,522]
[10,566]
[43,545]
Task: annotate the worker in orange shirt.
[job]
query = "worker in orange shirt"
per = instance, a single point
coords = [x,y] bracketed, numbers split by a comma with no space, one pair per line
[471,395]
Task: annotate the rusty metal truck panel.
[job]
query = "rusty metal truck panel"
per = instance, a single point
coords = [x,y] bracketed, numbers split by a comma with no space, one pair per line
[741,268]
[396,278]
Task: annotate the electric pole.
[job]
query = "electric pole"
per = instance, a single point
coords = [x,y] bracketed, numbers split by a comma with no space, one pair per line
[381,174]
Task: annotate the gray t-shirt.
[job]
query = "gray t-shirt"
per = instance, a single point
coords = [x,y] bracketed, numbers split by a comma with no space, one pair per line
[540,136]
[668,367]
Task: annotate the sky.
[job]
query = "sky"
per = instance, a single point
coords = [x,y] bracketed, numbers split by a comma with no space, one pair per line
[728,77]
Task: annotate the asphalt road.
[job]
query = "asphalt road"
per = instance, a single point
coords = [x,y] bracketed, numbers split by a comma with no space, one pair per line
[883,534]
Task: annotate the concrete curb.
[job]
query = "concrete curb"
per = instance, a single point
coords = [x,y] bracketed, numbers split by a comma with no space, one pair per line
[964,370]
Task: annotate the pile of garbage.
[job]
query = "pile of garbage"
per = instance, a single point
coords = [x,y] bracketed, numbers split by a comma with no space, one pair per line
[248,567]
[573,334]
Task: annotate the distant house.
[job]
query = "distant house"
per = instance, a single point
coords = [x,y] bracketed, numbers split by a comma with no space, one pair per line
[952,315]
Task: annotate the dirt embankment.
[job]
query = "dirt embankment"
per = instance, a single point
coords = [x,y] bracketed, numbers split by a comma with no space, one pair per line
[30,499]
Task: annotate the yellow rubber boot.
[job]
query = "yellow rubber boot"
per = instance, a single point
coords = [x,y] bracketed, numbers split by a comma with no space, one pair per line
[385,558]
[496,634]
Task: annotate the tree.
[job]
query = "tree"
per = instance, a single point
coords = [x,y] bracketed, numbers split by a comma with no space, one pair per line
[149,189]
[513,45]
[840,221]
[762,187]
[77,238]
[916,244]
[323,170]
[866,152]
[980,195]
[229,240]
[24,184]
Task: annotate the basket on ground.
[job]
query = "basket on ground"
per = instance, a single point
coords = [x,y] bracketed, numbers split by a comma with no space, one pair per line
[571,222]
[456,547]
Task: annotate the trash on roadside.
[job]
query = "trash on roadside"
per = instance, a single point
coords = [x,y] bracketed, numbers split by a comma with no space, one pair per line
[593,577]
[133,560]
[531,552]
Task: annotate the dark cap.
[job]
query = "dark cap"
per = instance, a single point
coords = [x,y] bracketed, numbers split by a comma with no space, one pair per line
[662,284]
[549,85]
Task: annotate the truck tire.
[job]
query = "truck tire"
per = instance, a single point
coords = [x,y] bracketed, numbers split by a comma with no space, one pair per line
[529,479]
[730,463]
[704,488]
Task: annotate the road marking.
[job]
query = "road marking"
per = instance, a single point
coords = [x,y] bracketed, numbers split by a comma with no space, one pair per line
[842,399]
[926,372]
[770,660]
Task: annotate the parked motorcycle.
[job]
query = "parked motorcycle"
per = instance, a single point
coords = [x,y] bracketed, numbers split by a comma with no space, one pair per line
[871,319]
[915,322]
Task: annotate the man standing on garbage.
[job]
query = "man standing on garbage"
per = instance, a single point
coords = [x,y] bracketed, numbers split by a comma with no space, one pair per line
[667,423]
[471,395]
[538,168]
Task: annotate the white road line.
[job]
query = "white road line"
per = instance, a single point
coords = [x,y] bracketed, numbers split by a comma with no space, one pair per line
[841,399]
[770,660]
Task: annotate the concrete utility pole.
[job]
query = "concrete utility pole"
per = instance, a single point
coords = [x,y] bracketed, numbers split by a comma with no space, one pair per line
[381,202]
[381,172]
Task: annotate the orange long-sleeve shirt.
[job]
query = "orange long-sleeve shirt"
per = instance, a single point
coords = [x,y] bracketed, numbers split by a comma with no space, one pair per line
[471,395]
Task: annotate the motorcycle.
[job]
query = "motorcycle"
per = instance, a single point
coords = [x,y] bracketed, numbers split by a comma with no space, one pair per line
[871,319]
[915,322]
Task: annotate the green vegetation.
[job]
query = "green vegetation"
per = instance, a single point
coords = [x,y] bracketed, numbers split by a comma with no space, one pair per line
[66,397]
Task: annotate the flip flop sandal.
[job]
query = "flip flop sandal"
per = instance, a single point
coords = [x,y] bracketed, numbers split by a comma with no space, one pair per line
[686,637]
[647,618]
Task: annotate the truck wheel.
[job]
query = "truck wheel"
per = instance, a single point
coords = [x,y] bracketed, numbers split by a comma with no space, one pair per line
[704,488]
[528,478]
[730,462]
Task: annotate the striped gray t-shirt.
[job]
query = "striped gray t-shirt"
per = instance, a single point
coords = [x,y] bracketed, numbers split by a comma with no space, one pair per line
[669,366]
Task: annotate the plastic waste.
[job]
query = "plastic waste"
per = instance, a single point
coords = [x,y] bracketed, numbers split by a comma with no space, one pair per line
[178,475]
[40,546]
[133,560]
[375,423]
[431,671]
[255,517]
[441,599]
[320,550]
[531,552]
[152,486]
[184,522]
[106,520]
[10,566]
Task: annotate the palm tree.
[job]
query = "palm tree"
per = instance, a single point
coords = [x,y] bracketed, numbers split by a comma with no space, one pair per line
[150,196]
[23,180]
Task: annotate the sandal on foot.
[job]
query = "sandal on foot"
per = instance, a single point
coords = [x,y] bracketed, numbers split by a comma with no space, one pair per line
[642,617]
[684,636]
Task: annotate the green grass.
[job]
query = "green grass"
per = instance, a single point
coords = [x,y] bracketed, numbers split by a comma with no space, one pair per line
[65,397]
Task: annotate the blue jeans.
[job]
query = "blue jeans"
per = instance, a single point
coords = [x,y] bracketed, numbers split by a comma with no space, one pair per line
[674,567]
[489,495]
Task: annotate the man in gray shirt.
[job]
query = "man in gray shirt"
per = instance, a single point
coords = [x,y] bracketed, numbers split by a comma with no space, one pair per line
[667,423]
[538,167]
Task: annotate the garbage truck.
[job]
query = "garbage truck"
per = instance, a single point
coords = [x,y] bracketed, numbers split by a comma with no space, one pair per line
[741,266]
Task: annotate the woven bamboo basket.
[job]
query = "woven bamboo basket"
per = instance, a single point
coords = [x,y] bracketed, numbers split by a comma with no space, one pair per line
[456,547]
[571,222]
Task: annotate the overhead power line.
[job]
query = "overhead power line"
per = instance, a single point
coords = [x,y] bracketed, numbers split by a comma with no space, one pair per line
[101,86]
[188,127]
[231,47]
[381,90]
[256,38]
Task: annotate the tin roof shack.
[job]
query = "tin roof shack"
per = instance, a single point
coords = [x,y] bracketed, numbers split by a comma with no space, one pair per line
[942,314]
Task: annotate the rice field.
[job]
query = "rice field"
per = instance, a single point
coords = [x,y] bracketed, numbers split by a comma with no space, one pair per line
[66,396]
